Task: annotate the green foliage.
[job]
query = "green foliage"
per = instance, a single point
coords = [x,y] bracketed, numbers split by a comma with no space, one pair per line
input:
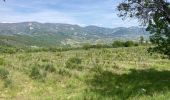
[130,44]
[97,46]
[96,74]
[4,76]
[49,49]
[160,31]
[9,50]
[35,73]
[74,63]
[2,61]
[126,86]
[3,73]
[40,72]
[117,44]
[75,60]
[49,68]
[86,46]
[46,35]
[155,14]
[64,72]
[7,82]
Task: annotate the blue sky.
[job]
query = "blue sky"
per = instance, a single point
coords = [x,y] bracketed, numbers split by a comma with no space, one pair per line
[82,12]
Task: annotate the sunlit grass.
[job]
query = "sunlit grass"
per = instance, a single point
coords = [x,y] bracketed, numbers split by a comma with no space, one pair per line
[122,73]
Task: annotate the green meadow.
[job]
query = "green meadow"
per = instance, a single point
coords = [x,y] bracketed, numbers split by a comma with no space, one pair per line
[95,74]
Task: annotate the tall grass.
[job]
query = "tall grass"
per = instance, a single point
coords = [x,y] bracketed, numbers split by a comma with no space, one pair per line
[93,74]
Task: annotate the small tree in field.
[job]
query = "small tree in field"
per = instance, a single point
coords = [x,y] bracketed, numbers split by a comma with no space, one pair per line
[129,44]
[117,44]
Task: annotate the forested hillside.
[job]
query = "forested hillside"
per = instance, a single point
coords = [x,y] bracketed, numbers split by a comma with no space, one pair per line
[51,34]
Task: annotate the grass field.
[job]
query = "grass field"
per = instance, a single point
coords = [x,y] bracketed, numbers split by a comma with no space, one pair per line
[95,74]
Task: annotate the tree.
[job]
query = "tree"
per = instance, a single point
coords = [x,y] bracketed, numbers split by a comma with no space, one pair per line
[155,14]
[129,44]
[117,44]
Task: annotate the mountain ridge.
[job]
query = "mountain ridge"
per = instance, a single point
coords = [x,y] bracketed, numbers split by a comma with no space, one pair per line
[54,34]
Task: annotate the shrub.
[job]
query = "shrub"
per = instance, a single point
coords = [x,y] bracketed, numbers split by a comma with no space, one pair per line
[45,60]
[73,63]
[9,50]
[129,44]
[7,83]
[35,73]
[117,44]
[40,71]
[49,68]
[64,72]
[52,49]
[86,46]
[97,68]
[4,73]
[75,60]
[97,46]
[2,61]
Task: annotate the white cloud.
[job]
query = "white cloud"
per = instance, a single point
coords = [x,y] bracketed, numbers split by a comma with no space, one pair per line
[101,13]
[43,16]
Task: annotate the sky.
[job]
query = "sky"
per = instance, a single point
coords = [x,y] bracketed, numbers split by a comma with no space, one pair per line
[101,13]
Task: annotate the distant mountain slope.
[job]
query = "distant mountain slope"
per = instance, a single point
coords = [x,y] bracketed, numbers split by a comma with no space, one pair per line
[54,34]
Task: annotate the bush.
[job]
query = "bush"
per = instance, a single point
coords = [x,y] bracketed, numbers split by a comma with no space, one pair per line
[86,46]
[97,46]
[73,63]
[2,61]
[9,50]
[45,60]
[75,60]
[129,44]
[64,72]
[7,83]
[117,44]
[49,68]
[35,73]
[40,71]
[4,73]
